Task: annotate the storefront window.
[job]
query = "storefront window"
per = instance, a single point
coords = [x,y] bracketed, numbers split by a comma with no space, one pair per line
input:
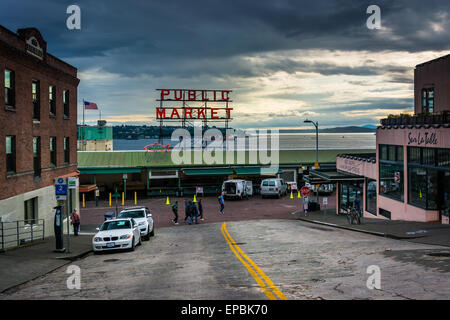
[348,192]
[371,196]
[417,181]
[391,180]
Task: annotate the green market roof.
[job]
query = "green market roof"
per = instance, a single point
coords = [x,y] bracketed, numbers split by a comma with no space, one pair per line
[155,160]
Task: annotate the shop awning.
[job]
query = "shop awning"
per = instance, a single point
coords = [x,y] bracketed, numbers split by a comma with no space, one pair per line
[331,176]
[243,171]
[109,170]
[87,187]
[208,172]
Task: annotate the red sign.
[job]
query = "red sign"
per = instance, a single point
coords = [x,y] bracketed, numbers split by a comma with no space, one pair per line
[192,113]
[305,191]
[194,95]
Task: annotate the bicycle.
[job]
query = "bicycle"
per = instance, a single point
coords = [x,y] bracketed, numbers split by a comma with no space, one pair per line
[353,215]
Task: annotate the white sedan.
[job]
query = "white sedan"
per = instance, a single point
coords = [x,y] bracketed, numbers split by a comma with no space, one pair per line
[117,234]
[144,219]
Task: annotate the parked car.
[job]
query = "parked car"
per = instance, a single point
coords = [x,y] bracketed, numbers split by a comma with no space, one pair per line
[117,234]
[237,188]
[144,219]
[273,187]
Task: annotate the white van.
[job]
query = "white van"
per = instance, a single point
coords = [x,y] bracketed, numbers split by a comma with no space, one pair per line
[237,188]
[273,187]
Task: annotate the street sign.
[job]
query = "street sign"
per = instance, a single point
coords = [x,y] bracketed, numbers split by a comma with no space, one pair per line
[305,191]
[72,182]
[325,201]
[60,189]
[61,197]
[125,176]
[116,195]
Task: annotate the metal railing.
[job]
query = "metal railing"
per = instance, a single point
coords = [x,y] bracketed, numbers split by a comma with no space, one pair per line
[16,233]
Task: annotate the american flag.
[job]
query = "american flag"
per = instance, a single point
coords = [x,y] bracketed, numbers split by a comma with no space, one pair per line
[90,105]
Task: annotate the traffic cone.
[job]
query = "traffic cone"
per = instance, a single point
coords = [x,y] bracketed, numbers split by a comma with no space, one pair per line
[292,197]
[298,195]
[167,201]
[195,199]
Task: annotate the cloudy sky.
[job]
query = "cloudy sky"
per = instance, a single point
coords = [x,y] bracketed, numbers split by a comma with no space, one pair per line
[284,60]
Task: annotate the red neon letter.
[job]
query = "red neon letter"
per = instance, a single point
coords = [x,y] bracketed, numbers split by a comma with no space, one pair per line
[214,95]
[214,113]
[223,98]
[201,111]
[204,98]
[191,95]
[228,112]
[188,111]
[174,111]
[160,113]
[181,94]
[164,92]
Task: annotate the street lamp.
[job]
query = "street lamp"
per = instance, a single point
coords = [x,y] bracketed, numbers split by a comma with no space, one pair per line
[316,124]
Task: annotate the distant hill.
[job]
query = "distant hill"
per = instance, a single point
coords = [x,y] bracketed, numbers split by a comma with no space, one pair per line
[348,129]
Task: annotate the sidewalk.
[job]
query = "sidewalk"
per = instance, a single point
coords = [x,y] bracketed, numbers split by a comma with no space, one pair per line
[420,232]
[19,265]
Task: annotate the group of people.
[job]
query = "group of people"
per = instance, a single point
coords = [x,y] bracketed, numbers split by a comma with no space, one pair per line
[194,211]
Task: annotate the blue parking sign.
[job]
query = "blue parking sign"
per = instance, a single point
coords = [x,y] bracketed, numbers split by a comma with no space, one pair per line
[60,189]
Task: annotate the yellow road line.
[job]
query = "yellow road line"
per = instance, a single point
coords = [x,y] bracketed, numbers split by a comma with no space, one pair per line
[256,275]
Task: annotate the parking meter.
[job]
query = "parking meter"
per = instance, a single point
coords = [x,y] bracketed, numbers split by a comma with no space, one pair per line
[58,226]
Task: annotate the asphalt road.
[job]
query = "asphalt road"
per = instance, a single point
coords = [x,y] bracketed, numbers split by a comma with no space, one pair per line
[257,259]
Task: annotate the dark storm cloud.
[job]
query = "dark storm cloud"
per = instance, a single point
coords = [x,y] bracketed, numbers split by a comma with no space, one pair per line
[158,37]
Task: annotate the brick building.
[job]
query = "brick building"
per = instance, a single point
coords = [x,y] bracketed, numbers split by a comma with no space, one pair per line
[38,127]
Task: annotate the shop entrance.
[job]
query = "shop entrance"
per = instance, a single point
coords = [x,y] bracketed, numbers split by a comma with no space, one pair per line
[443,203]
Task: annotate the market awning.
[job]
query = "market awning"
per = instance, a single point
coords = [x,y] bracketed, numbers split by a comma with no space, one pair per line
[208,172]
[72,174]
[243,171]
[87,187]
[331,176]
[108,170]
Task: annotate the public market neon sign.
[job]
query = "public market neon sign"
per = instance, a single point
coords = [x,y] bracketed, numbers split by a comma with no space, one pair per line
[190,95]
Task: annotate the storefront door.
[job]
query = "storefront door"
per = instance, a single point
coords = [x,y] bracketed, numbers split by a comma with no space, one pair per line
[444,195]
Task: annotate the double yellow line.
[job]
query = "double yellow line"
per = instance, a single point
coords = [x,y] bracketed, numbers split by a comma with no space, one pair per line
[267,285]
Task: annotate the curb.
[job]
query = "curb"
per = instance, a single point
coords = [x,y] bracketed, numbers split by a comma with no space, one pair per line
[375,233]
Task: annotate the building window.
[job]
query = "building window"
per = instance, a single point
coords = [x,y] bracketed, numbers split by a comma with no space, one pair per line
[425,175]
[66,150]
[31,211]
[35,93]
[37,156]
[428,100]
[348,192]
[9,88]
[391,172]
[10,154]
[371,196]
[66,103]
[53,151]
[51,97]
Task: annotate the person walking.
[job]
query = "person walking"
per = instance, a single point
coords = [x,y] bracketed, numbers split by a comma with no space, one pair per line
[186,210]
[221,203]
[175,212]
[200,209]
[194,213]
[75,220]
[305,206]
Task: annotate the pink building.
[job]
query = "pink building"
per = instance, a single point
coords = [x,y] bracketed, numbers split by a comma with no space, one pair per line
[408,178]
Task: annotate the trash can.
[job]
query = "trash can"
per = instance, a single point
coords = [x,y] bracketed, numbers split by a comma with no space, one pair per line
[109,215]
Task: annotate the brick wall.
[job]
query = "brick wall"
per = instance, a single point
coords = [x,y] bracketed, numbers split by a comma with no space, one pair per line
[20,123]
